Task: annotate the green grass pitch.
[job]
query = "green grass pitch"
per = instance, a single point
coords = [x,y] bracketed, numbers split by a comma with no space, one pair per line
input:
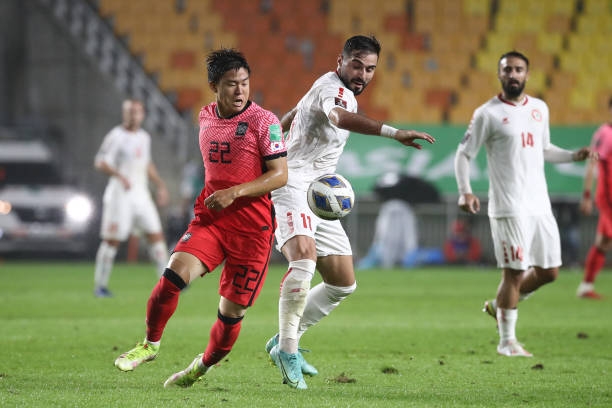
[405,338]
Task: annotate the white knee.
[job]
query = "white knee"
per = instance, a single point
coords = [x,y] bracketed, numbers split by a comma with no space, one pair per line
[336,294]
[296,283]
[302,269]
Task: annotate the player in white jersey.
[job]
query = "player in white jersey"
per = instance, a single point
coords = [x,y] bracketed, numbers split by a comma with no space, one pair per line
[125,156]
[318,128]
[514,129]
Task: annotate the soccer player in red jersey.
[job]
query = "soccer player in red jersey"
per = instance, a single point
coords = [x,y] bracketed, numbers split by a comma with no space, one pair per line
[596,257]
[244,157]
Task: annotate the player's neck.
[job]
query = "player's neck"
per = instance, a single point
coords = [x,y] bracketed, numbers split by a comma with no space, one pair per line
[516,100]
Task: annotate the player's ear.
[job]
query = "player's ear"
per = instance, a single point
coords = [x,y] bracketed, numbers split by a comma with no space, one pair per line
[213,86]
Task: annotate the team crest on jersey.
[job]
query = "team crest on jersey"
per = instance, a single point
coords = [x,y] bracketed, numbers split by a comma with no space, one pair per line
[241,129]
[186,237]
[340,102]
[537,115]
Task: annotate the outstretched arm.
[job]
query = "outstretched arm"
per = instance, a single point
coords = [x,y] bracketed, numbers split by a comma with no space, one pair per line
[354,122]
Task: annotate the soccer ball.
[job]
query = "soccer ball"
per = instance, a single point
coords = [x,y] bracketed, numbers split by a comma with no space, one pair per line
[331,197]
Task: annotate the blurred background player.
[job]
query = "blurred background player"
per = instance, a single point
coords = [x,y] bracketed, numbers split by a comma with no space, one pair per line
[461,247]
[596,257]
[393,246]
[125,156]
[514,127]
[244,158]
[319,127]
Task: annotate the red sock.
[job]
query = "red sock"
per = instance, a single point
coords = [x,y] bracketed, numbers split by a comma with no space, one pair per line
[162,304]
[223,335]
[594,262]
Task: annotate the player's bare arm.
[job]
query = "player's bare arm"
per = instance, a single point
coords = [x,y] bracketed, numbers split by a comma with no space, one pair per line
[110,171]
[354,122]
[160,187]
[287,119]
[586,202]
[275,177]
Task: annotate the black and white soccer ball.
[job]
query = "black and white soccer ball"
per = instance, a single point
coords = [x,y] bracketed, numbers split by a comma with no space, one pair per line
[331,197]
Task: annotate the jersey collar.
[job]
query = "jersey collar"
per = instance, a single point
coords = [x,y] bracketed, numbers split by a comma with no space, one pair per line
[524,102]
[246,106]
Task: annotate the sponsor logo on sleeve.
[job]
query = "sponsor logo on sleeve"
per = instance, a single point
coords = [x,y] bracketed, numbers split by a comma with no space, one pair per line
[340,102]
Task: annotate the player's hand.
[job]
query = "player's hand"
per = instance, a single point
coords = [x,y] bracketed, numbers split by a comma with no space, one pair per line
[163,198]
[125,182]
[586,206]
[220,199]
[408,138]
[585,153]
[469,203]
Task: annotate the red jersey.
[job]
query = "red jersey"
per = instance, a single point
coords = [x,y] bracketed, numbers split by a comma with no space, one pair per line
[234,151]
[602,144]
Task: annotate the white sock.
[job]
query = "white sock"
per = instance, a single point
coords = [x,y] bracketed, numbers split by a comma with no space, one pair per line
[153,343]
[105,258]
[158,252]
[585,287]
[506,321]
[523,296]
[293,292]
[322,299]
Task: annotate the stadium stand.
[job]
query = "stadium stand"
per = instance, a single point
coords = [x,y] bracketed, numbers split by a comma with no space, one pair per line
[439,57]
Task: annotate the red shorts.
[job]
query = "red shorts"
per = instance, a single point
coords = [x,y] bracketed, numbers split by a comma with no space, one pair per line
[246,258]
[604,222]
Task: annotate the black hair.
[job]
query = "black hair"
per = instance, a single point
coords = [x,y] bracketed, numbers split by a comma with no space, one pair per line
[514,54]
[361,43]
[218,62]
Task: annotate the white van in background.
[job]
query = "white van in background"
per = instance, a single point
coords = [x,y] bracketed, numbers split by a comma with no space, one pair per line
[39,211]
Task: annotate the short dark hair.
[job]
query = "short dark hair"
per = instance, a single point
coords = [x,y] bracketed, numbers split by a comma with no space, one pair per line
[361,43]
[220,61]
[514,54]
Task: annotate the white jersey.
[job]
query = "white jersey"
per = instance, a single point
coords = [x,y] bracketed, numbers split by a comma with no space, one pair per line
[515,137]
[130,154]
[124,210]
[314,145]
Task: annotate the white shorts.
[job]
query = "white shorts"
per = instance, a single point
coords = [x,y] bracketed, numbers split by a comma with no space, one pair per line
[294,217]
[121,216]
[521,242]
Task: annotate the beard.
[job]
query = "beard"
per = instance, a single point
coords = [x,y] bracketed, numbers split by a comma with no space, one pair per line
[513,89]
[356,91]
